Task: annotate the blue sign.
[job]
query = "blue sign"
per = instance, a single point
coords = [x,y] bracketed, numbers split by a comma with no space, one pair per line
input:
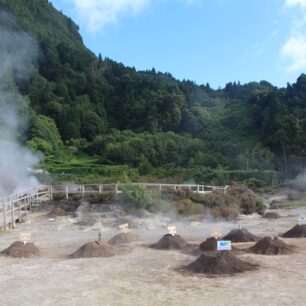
[224,245]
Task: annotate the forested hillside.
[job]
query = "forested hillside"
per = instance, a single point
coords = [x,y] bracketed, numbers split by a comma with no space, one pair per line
[100,113]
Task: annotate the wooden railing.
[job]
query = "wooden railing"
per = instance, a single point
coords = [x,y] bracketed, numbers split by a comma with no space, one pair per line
[22,201]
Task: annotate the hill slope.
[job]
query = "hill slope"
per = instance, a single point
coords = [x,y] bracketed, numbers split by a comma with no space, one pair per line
[81,104]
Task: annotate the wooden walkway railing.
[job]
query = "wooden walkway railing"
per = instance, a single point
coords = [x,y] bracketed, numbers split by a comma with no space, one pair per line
[13,205]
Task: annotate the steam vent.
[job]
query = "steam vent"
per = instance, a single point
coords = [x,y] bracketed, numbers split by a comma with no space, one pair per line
[94,249]
[219,263]
[241,235]
[21,250]
[170,242]
[298,231]
[269,246]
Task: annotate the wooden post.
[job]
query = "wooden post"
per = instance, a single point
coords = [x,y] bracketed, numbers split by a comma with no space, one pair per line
[19,211]
[26,206]
[160,187]
[13,214]
[116,188]
[67,193]
[4,217]
[51,192]
[83,190]
[31,199]
[198,189]
[100,188]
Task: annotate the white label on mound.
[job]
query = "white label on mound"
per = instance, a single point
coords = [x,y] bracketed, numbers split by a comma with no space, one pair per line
[172,230]
[216,232]
[224,245]
[124,228]
[302,220]
[25,237]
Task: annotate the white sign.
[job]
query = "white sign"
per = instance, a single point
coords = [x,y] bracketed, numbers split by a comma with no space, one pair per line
[273,232]
[25,237]
[224,245]
[216,232]
[124,228]
[172,230]
[302,220]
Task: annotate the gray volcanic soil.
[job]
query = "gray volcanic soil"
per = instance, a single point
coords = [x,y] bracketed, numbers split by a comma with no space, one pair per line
[145,276]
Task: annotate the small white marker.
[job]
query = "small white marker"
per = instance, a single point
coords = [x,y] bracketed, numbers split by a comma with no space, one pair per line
[172,230]
[216,232]
[124,228]
[25,237]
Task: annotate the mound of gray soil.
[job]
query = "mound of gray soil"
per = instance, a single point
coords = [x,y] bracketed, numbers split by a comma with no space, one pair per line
[271,215]
[94,249]
[241,235]
[123,238]
[269,246]
[298,231]
[20,250]
[169,242]
[219,263]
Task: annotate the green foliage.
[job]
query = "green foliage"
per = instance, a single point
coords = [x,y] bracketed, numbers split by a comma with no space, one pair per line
[137,197]
[187,207]
[59,196]
[98,198]
[148,121]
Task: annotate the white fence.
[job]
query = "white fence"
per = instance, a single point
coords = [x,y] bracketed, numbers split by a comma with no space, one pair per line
[13,205]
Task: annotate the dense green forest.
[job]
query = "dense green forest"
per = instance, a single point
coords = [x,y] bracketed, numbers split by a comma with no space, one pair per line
[90,115]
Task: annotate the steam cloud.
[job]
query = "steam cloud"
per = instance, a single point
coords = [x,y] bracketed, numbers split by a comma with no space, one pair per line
[18,52]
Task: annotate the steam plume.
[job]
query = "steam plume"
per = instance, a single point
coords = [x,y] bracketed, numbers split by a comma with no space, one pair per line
[17,55]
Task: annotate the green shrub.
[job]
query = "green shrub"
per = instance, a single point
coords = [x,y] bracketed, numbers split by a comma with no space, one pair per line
[229,213]
[187,207]
[101,197]
[75,196]
[248,205]
[59,196]
[260,206]
[295,196]
[137,197]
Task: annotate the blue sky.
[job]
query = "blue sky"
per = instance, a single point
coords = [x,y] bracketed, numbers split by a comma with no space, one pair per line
[214,41]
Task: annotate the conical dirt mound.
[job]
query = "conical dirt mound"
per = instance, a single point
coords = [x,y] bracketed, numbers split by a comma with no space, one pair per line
[169,242]
[269,246]
[209,245]
[20,250]
[271,215]
[219,263]
[123,238]
[298,231]
[94,249]
[241,235]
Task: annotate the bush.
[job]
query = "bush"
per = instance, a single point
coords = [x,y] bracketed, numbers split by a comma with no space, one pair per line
[59,196]
[295,196]
[177,195]
[186,206]
[103,197]
[260,206]
[137,197]
[248,205]
[75,196]
[229,213]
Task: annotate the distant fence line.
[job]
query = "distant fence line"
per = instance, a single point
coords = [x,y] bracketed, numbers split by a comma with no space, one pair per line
[13,205]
